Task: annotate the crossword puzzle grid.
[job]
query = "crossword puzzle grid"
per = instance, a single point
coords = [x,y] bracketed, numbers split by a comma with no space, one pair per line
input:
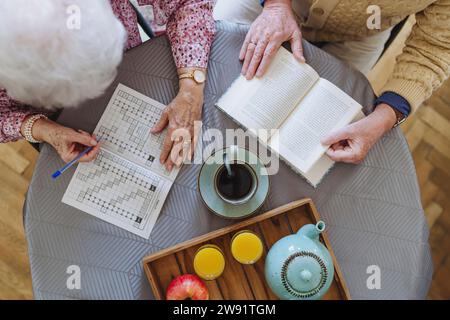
[115,187]
[125,127]
[126,185]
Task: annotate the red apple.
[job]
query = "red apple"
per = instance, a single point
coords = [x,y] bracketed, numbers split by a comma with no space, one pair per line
[187,286]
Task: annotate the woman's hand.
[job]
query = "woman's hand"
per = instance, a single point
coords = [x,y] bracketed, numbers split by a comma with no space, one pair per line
[180,117]
[275,25]
[66,141]
[352,143]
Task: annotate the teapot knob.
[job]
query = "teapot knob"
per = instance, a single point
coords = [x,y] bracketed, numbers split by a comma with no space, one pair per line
[306,275]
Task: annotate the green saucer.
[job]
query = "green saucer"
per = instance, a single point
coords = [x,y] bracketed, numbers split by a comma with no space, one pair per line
[212,199]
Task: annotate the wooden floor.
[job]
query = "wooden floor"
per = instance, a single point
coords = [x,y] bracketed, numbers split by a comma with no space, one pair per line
[16,167]
[428,134]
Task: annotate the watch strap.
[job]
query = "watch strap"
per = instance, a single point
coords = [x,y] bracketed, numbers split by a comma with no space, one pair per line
[188,75]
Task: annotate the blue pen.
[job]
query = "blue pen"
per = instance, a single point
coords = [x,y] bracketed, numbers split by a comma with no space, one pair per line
[71,163]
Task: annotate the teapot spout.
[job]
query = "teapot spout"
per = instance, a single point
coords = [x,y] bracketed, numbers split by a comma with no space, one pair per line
[312,231]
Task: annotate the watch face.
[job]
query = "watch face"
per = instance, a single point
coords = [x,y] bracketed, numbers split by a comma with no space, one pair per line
[199,76]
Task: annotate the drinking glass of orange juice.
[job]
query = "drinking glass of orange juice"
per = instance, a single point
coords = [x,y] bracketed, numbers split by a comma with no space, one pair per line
[246,247]
[209,262]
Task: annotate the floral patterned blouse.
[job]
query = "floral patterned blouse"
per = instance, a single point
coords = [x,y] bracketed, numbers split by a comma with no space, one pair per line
[189,26]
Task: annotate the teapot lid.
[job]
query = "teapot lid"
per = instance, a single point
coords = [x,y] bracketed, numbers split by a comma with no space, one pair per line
[304,274]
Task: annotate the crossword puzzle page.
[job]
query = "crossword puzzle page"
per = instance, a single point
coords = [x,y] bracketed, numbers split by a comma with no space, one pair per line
[126,185]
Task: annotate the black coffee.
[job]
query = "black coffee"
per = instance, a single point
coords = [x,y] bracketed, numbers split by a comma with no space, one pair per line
[237,185]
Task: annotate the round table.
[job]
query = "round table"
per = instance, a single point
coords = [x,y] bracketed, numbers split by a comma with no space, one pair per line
[373,210]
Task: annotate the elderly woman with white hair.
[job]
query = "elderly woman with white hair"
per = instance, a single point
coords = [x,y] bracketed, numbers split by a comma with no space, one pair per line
[47,61]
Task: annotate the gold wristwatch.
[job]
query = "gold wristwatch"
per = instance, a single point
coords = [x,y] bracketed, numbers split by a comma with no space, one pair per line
[198,76]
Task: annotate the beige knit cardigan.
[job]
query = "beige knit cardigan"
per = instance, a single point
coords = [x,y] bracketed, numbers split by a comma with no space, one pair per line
[425,62]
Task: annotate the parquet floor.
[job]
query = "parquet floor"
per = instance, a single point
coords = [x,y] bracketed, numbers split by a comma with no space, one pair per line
[428,134]
[16,166]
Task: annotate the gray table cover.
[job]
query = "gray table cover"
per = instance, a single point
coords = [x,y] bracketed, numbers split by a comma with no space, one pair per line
[373,210]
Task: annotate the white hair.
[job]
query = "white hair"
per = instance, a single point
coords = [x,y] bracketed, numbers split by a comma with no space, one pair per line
[49,60]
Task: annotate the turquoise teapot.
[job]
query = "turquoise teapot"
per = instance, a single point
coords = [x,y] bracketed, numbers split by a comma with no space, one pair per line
[299,266]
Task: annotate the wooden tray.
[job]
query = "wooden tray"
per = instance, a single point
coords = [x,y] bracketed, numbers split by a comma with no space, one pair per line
[240,282]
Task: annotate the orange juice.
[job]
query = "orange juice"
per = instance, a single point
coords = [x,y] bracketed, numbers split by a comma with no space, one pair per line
[246,247]
[209,262]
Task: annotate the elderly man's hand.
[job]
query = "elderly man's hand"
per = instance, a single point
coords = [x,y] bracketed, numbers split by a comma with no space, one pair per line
[275,25]
[180,117]
[352,143]
[66,141]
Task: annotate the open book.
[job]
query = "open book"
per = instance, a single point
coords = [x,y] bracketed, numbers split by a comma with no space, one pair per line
[292,98]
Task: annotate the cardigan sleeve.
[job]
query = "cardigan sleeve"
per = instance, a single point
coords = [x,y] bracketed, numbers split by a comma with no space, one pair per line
[425,61]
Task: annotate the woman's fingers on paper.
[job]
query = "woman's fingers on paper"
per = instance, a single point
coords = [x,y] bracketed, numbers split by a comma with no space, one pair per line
[180,157]
[188,148]
[169,164]
[86,140]
[91,155]
[168,142]
[68,153]
[166,149]
[161,124]
[178,152]
[196,134]
[165,152]
[87,134]
[84,132]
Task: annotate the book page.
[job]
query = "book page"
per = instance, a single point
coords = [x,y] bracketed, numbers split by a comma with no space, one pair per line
[326,108]
[267,102]
[319,170]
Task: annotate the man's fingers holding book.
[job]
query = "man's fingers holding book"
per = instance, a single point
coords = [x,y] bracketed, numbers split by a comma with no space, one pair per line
[337,136]
[348,152]
[352,143]
[346,146]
